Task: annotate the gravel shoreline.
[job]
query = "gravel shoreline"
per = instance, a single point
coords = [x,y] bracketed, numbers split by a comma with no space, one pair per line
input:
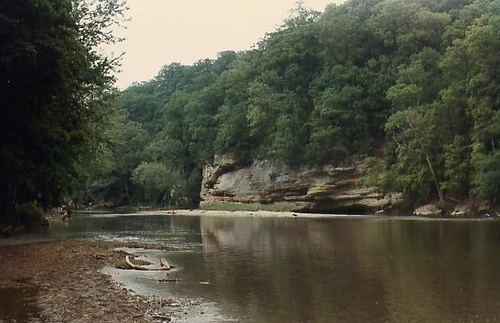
[61,281]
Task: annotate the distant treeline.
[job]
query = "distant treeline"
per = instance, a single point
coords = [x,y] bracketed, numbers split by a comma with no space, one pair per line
[413,81]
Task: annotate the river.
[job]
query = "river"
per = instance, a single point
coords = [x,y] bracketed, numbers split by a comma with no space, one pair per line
[343,269]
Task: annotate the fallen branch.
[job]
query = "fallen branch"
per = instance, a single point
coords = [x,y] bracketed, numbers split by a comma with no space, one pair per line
[163,265]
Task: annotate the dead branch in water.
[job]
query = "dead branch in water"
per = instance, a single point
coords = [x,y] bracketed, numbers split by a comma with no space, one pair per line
[164,265]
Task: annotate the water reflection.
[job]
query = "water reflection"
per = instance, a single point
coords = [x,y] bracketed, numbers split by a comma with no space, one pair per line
[320,270]
[354,270]
[171,231]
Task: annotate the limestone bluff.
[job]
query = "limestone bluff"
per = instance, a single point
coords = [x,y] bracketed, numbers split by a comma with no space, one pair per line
[302,189]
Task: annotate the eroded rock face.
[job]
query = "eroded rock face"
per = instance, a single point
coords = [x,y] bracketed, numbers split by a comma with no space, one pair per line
[326,189]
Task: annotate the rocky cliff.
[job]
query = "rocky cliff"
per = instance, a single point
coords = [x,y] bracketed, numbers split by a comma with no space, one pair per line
[303,189]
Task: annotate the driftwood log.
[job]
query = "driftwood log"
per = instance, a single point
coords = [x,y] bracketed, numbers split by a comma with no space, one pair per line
[164,265]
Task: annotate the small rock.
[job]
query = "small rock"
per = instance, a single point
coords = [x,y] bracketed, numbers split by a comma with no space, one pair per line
[428,210]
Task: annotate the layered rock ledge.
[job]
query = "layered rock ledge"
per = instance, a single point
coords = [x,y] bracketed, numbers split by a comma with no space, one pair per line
[301,189]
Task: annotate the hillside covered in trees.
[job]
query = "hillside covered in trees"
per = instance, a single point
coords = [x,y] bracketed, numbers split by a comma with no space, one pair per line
[413,81]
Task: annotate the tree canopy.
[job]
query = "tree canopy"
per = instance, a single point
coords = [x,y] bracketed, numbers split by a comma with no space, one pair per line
[413,80]
[54,89]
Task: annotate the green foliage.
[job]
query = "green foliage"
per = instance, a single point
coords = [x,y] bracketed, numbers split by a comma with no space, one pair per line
[157,181]
[339,121]
[378,176]
[417,83]
[29,216]
[418,79]
[262,109]
[460,131]
[55,87]
[405,27]
[457,167]
[486,179]
[413,145]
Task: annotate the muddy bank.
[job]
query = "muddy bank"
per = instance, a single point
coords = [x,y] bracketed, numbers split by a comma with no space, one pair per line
[62,282]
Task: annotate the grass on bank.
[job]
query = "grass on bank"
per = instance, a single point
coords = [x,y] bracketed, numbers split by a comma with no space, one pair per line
[246,207]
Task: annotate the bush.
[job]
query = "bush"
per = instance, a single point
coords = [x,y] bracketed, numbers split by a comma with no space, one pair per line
[30,216]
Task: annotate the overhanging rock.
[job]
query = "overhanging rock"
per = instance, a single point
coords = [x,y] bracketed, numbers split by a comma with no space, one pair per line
[327,189]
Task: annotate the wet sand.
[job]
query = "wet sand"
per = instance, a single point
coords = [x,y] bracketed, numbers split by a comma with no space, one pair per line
[281,214]
[288,214]
[61,281]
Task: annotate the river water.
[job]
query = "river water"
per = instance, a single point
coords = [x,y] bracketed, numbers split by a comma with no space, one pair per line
[264,269]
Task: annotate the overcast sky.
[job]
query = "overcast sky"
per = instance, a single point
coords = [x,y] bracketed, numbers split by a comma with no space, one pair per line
[166,31]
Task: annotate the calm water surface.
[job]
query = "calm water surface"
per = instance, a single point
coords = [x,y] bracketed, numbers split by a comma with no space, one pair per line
[319,270]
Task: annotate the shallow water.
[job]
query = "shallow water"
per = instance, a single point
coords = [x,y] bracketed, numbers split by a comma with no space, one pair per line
[257,269]
[18,304]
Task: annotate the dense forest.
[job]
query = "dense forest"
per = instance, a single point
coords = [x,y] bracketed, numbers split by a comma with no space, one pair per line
[55,89]
[409,86]
[415,82]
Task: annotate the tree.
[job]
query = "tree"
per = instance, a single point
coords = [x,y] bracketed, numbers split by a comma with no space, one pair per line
[417,79]
[158,182]
[405,28]
[341,34]
[261,113]
[412,132]
[53,87]
[232,131]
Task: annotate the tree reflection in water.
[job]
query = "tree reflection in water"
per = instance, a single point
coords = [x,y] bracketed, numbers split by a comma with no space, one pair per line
[354,269]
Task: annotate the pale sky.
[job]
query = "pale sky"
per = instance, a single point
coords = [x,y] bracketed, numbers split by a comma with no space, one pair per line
[165,31]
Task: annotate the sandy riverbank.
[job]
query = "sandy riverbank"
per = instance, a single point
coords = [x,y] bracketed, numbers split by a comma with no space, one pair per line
[286,214]
[282,214]
[61,281]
